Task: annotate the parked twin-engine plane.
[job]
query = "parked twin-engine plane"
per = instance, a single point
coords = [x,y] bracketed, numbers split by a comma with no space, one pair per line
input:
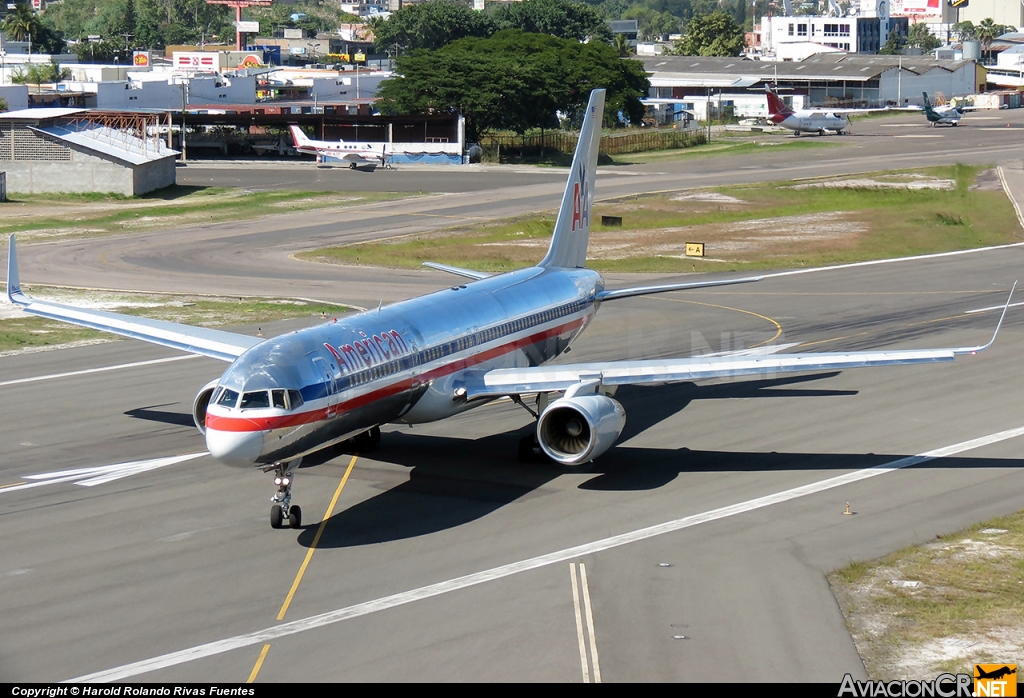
[435,356]
[358,155]
[809,120]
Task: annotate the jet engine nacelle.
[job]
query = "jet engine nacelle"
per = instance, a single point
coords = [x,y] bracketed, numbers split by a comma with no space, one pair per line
[577,429]
[200,404]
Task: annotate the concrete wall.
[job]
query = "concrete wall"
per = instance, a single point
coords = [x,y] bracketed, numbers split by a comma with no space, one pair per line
[87,173]
[910,86]
[16,96]
[163,94]
[153,175]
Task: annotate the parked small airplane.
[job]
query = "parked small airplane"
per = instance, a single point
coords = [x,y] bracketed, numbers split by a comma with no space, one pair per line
[809,120]
[357,155]
[432,357]
[944,114]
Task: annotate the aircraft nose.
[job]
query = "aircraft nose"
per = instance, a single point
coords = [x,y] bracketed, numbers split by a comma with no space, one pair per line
[234,447]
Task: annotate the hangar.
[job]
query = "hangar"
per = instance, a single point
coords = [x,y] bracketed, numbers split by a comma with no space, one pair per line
[75,150]
[709,85]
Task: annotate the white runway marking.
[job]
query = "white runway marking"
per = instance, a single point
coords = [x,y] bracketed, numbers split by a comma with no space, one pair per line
[90,477]
[294,627]
[993,307]
[84,371]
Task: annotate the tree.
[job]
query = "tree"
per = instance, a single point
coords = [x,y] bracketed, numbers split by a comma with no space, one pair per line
[893,44]
[566,20]
[652,24]
[715,34]
[39,73]
[18,25]
[430,25]
[621,44]
[922,38]
[986,31]
[514,81]
[965,31]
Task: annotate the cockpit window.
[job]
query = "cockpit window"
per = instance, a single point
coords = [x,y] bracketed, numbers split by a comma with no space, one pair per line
[255,399]
[277,397]
[295,398]
[228,398]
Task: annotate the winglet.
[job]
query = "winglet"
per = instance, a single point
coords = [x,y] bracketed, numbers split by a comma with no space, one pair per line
[572,227]
[14,294]
[983,347]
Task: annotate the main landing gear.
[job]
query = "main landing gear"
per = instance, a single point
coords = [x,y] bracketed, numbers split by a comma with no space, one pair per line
[282,510]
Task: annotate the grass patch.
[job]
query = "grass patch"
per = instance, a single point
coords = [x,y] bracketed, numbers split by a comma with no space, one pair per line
[78,215]
[762,226]
[22,331]
[943,606]
[735,144]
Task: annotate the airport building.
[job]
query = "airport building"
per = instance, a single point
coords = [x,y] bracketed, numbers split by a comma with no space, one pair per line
[712,86]
[74,150]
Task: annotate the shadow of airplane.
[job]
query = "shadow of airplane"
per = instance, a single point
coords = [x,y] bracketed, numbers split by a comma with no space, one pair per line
[181,419]
[453,481]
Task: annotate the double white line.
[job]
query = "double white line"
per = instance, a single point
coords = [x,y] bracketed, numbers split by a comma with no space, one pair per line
[580,589]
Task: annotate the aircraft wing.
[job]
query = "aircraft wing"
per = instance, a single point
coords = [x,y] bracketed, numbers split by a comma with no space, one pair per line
[217,344]
[538,379]
[616,293]
[845,112]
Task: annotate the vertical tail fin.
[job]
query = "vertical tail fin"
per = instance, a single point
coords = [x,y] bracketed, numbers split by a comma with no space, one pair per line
[572,227]
[13,281]
[776,107]
[298,136]
[927,102]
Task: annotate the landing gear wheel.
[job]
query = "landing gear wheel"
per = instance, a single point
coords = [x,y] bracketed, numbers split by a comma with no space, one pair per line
[351,166]
[295,517]
[284,476]
[821,132]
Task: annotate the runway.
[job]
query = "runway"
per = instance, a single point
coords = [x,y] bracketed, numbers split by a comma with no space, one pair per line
[703,536]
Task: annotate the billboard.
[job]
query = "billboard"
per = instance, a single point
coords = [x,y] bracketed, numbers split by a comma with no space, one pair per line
[140,59]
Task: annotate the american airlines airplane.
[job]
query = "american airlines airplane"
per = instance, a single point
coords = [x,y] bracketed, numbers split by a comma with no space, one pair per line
[809,120]
[357,155]
[432,357]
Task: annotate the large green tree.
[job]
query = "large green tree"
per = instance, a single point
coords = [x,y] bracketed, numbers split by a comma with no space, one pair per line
[714,34]
[919,36]
[566,20]
[430,25]
[513,81]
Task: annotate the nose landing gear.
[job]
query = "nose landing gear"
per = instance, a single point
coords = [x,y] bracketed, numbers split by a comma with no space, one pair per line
[284,476]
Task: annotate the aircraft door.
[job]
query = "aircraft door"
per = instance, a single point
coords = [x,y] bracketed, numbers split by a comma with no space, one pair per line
[323,370]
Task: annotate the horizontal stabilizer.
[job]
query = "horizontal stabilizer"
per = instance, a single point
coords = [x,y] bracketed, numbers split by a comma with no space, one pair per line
[458,271]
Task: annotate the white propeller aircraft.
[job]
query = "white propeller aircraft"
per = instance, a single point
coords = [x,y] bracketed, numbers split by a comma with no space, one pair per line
[357,155]
[435,356]
[809,120]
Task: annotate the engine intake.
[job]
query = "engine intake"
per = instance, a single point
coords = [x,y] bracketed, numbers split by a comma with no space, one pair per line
[575,430]
[200,404]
